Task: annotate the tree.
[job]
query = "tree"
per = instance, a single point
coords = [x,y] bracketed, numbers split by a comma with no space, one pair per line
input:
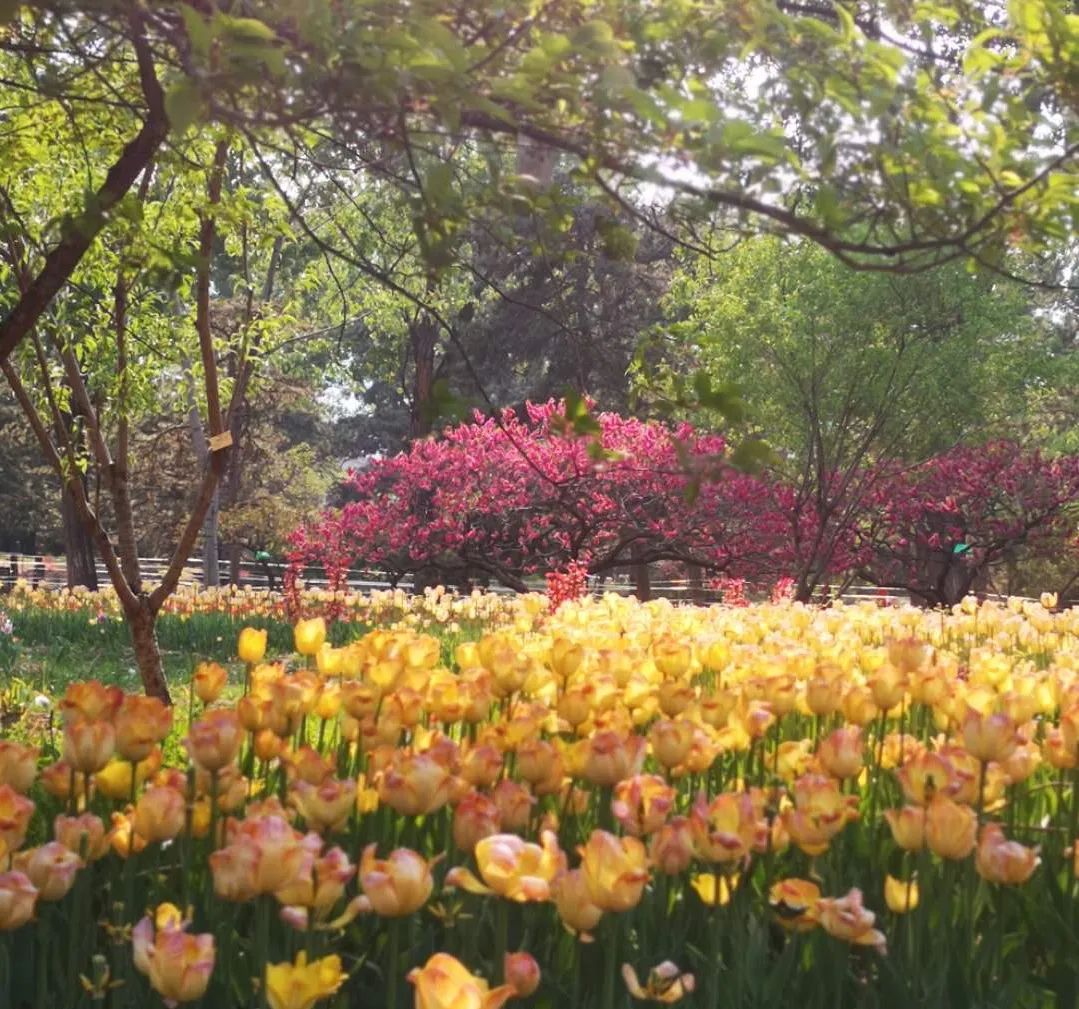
[939,529]
[639,98]
[515,496]
[844,372]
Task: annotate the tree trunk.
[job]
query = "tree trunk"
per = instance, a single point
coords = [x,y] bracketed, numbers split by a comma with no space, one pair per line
[642,579]
[143,620]
[78,547]
[211,575]
[423,334]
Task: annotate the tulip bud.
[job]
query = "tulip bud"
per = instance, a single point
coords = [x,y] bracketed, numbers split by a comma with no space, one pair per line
[309,636]
[18,896]
[51,868]
[522,973]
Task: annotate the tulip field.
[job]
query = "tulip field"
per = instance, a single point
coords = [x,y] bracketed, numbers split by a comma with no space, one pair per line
[462,803]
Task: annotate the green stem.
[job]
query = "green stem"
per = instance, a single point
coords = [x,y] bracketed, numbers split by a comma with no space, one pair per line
[392,966]
[610,960]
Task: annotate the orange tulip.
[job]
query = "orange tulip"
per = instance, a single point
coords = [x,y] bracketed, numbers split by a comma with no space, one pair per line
[326,806]
[989,737]
[51,868]
[15,813]
[671,740]
[512,868]
[795,903]
[177,965]
[90,701]
[320,881]
[924,776]
[159,814]
[307,764]
[615,870]
[999,860]
[415,784]
[671,848]
[950,828]
[847,919]
[514,802]
[88,745]
[141,723]
[18,897]
[398,885]
[215,739]
[642,804]
[444,983]
[210,678]
[521,973]
[728,828]
[18,765]
[841,753]
[908,826]
[474,818]
[262,855]
[666,983]
[84,835]
[573,901]
[610,757]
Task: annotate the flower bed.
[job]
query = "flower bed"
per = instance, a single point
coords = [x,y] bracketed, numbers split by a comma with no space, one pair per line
[760,805]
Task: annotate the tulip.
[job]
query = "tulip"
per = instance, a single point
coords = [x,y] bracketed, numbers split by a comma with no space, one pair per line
[823,695]
[615,870]
[482,765]
[672,657]
[18,765]
[327,806]
[1001,861]
[141,723]
[125,842]
[512,868]
[642,804]
[444,983]
[841,753]
[671,849]
[114,780]
[51,867]
[671,740]
[573,900]
[521,972]
[540,764]
[159,814]
[666,983]
[88,745]
[610,757]
[728,828]
[215,739]
[908,827]
[178,965]
[474,818]
[84,835]
[900,896]
[15,813]
[950,828]
[309,636]
[262,855]
[795,903]
[989,737]
[416,784]
[210,677]
[715,891]
[18,897]
[90,701]
[398,885]
[320,882]
[924,776]
[514,802]
[251,647]
[847,919]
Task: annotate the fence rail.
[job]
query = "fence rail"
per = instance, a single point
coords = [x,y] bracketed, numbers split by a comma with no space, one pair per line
[49,571]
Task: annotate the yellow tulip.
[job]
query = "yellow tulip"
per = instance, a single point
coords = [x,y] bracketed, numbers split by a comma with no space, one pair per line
[900,895]
[615,870]
[251,647]
[512,868]
[309,636]
[300,985]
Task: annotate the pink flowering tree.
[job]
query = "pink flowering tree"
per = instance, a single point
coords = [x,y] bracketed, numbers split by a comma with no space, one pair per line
[528,495]
[938,529]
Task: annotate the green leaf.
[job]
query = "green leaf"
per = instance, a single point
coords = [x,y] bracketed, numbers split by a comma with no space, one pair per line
[183,105]
[751,454]
[199,31]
